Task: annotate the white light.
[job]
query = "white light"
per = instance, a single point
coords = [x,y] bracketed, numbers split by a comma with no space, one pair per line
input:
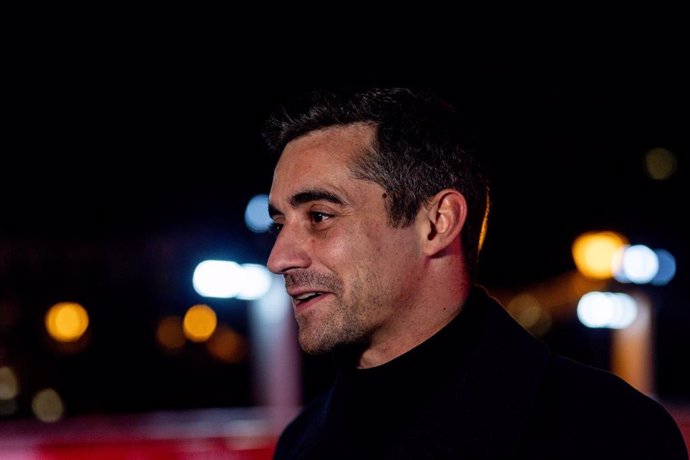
[625,308]
[594,309]
[257,282]
[607,309]
[256,214]
[218,278]
[617,264]
[273,307]
[640,264]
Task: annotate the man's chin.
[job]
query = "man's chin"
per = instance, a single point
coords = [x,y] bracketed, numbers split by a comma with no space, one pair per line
[344,348]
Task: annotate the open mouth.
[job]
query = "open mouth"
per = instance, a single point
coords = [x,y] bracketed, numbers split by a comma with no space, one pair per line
[307,296]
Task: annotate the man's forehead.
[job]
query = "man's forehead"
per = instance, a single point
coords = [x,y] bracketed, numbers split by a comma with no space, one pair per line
[342,141]
[316,163]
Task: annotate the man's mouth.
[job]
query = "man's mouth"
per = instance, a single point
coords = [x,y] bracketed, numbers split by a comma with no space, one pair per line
[307,296]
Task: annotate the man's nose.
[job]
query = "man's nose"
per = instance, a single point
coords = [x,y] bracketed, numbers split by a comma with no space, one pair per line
[289,251]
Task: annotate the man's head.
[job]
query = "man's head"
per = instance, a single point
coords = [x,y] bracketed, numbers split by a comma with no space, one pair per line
[421,145]
[372,194]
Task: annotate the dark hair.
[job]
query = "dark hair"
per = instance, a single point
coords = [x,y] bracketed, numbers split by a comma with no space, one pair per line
[421,146]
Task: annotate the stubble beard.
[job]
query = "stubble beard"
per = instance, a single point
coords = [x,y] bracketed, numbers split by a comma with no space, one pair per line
[332,326]
[322,332]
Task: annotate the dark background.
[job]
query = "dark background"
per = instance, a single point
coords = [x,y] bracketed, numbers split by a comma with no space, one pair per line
[130,151]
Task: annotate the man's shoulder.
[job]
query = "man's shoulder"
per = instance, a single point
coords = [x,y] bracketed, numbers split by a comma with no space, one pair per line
[603,413]
[300,434]
[585,385]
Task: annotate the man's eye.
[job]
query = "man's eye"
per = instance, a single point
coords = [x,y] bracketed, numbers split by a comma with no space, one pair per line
[318,217]
[275,228]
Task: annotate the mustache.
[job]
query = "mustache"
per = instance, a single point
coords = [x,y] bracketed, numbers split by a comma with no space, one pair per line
[322,281]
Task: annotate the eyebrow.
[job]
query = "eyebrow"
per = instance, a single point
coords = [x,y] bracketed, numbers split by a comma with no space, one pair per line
[307,196]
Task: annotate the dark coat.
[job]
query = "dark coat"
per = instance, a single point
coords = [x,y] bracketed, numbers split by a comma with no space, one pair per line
[483,388]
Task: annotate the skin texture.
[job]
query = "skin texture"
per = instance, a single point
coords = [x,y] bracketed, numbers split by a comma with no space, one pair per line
[385,289]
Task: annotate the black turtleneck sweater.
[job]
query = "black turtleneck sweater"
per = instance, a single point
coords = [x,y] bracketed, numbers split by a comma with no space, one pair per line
[369,408]
[481,388]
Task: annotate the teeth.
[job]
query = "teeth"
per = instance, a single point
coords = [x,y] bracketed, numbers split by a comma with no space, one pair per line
[307,295]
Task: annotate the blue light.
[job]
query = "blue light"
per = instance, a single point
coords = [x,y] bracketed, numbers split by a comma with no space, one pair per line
[256,215]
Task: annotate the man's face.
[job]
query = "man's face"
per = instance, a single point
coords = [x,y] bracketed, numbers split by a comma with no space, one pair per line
[347,270]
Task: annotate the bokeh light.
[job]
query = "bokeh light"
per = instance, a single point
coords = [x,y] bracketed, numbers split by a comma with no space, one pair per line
[227,345]
[615,310]
[199,323]
[170,333]
[9,384]
[636,264]
[594,253]
[660,163]
[528,311]
[256,214]
[47,405]
[66,321]
[226,279]
[257,282]
[667,267]
[218,278]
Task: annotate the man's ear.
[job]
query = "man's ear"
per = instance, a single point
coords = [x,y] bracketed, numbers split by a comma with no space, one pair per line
[443,219]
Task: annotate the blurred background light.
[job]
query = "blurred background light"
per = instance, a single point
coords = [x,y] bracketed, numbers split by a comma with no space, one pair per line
[218,278]
[529,312]
[256,281]
[615,310]
[256,214]
[47,405]
[199,323]
[66,321]
[9,385]
[660,163]
[594,253]
[275,305]
[636,264]
[667,267]
[170,333]
[227,279]
[227,345]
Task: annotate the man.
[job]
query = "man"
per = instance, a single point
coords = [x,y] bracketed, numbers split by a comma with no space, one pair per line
[380,203]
